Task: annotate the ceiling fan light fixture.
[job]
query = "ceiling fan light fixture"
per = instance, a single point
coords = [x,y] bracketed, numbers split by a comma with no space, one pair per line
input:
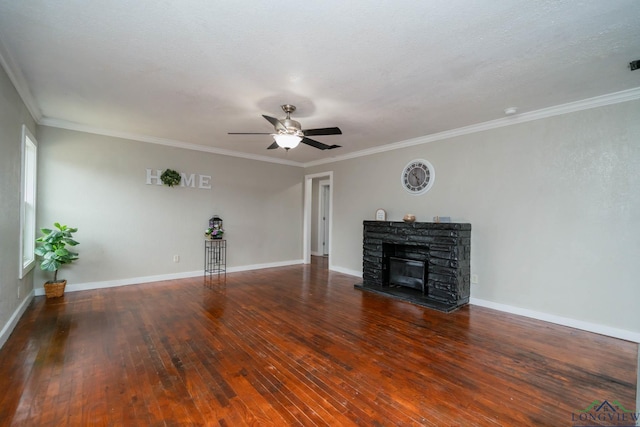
[287,140]
[289,134]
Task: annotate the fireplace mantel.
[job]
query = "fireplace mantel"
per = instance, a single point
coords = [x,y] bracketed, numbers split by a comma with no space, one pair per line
[445,249]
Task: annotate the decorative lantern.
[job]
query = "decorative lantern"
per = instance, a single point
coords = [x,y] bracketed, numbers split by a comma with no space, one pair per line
[215,229]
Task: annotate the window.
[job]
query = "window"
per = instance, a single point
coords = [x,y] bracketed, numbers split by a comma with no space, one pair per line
[28,202]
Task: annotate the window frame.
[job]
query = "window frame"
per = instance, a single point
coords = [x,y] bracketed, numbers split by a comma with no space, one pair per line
[28,198]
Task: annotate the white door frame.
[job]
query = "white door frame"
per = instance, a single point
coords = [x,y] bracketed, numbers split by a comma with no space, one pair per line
[306,221]
[323,222]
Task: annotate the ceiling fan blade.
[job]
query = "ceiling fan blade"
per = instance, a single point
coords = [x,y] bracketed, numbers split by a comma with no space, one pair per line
[275,122]
[317,144]
[273,146]
[322,131]
[248,133]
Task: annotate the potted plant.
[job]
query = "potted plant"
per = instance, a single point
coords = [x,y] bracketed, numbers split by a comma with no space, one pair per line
[55,254]
[214,232]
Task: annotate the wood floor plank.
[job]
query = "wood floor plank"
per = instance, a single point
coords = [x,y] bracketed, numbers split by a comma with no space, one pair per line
[296,346]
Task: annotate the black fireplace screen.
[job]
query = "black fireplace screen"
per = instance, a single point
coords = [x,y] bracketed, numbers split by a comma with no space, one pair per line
[407,272]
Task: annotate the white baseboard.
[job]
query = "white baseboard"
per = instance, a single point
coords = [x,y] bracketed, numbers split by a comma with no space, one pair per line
[123,282]
[622,334]
[638,387]
[15,317]
[558,320]
[158,278]
[348,271]
[267,265]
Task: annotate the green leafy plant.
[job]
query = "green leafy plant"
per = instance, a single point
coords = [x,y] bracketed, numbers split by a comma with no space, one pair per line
[214,232]
[53,249]
[170,177]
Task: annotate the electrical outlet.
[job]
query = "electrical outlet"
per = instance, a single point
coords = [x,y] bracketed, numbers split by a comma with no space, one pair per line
[176,258]
[474,279]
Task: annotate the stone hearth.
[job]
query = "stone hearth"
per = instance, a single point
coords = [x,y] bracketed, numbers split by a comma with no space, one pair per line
[444,248]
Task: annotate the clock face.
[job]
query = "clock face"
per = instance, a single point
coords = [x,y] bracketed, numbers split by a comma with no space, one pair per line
[418,176]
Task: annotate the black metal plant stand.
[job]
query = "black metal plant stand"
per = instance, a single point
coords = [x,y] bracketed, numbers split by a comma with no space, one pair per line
[215,256]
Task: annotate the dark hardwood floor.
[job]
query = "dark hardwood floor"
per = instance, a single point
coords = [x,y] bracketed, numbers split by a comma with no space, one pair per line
[296,346]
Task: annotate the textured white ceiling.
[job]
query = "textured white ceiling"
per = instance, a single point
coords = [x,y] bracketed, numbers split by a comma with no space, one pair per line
[384,71]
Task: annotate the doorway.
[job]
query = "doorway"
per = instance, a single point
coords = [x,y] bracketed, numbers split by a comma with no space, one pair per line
[324,189]
[324,182]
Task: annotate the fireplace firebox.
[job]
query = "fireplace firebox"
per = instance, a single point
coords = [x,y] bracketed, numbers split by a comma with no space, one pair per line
[406,272]
[424,263]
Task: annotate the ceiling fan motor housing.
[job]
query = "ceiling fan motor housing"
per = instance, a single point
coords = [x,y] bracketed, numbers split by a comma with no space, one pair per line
[292,126]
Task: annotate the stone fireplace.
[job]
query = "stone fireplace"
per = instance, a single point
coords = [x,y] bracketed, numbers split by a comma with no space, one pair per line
[422,262]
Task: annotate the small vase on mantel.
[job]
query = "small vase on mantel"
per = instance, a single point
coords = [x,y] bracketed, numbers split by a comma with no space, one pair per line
[409,218]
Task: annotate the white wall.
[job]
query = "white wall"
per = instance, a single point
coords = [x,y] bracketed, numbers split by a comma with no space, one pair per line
[554,205]
[13,114]
[128,229]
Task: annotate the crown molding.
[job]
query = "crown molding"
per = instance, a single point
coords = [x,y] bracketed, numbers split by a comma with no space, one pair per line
[19,82]
[599,101]
[63,124]
[571,107]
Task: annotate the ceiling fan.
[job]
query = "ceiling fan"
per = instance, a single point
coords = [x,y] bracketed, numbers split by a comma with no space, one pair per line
[288,133]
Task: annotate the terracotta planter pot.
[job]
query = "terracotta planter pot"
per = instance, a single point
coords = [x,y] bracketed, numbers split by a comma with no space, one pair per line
[55,289]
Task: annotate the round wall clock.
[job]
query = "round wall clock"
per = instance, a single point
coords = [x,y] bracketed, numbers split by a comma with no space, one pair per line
[418,176]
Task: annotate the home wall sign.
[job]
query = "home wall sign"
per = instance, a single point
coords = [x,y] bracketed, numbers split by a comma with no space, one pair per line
[192,180]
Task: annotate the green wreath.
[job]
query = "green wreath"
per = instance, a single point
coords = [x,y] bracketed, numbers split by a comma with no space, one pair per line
[170,177]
